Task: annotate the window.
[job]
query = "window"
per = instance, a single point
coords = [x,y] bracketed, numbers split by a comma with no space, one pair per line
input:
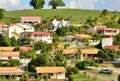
[35,35]
[9,57]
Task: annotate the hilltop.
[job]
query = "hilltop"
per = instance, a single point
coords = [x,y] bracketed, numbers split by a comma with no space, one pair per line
[77,15]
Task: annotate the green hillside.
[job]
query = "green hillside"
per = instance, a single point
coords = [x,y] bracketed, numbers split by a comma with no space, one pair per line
[78,15]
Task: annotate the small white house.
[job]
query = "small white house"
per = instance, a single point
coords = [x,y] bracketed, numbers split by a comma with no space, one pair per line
[16,29]
[59,23]
[53,72]
[37,36]
[2,27]
[107,42]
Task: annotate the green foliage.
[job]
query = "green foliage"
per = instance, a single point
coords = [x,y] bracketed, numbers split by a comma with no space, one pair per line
[37,4]
[60,59]
[41,60]
[43,46]
[14,42]
[85,64]
[25,40]
[45,76]
[118,77]
[62,31]
[107,54]
[72,70]
[70,78]
[56,3]
[27,54]
[17,48]
[117,39]
[13,62]
[1,13]
[4,41]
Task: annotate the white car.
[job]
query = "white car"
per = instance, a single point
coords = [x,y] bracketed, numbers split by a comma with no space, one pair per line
[106,70]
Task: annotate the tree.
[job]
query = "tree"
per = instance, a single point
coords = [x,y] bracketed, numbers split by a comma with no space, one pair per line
[37,4]
[13,62]
[43,46]
[56,3]
[45,76]
[14,42]
[105,14]
[72,70]
[107,54]
[1,13]
[117,39]
[85,64]
[4,41]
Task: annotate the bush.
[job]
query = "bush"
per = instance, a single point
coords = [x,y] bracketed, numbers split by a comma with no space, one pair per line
[72,70]
[84,64]
[70,78]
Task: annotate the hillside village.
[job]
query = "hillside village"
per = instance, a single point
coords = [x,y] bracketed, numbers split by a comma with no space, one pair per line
[34,48]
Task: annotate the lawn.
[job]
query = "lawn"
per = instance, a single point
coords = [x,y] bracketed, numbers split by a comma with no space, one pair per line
[81,77]
[77,15]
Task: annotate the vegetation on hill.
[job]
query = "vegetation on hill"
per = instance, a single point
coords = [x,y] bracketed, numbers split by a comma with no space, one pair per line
[77,15]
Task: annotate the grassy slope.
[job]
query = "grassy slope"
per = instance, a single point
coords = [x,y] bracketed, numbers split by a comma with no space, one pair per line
[77,15]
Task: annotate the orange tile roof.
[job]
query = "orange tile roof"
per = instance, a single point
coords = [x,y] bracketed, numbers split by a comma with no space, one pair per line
[85,51]
[30,18]
[3,24]
[6,48]
[50,69]
[40,33]
[70,51]
[81,36]
[6,53]
[10,71]
[90,51]
[112,47]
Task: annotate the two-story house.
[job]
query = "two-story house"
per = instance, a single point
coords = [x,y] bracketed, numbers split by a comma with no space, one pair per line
[37,36]
[17,28]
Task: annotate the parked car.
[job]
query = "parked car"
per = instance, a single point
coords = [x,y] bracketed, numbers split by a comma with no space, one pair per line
[106,70]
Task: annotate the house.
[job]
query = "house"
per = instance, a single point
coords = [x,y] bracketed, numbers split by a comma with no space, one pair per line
[37,36]
[86,53]
[95,29]
[106,42]
[108,32]
[30,19]
[11,72]
[17,28]
[6,55]
[89,53]
[59,23]
[52,71]
[2,27]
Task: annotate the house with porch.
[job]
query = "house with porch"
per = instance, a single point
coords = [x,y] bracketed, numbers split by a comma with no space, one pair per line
[85,53]
[52,71]
[108,32]
[37,36]
[7,55]
[17,28]
[11,72]
[30,19]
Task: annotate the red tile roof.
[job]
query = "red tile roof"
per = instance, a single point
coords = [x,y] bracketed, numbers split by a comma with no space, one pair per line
[3,24]
[108,29]
[25,48]
[40,33]
[112,47]
[30,18]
